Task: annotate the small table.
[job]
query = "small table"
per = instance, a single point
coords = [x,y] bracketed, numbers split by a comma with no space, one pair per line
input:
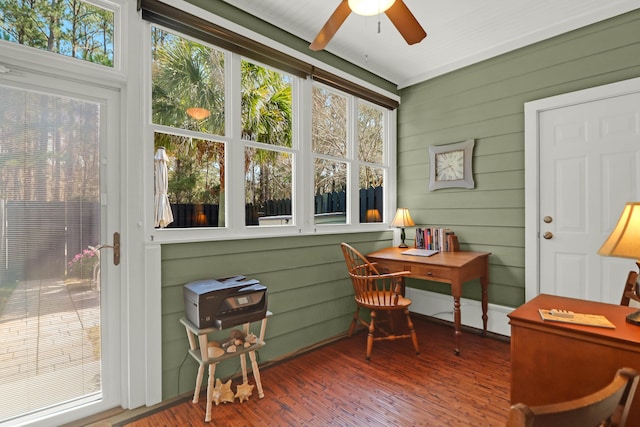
[199,350]
[454,268]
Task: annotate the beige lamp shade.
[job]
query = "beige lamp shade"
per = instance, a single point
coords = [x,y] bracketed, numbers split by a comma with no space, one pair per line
[624,240]
[402,218]
[370,7]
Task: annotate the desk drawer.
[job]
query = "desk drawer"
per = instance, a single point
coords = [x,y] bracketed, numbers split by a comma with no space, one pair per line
[429,272]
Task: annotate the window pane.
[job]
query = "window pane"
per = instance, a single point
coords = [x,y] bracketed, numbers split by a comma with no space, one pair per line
[370,138]
[330,185]
[371,203]
[188,84]
[329,122]
[266,105]
[75,29]
[196,180]
[268,184]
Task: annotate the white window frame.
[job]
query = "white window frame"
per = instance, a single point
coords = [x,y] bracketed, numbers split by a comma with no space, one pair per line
[301,150]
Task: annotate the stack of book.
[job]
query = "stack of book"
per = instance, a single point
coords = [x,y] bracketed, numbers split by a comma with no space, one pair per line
[438,239]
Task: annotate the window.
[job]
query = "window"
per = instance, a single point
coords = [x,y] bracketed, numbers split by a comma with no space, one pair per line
[267,123]
[75,29]
[245,172]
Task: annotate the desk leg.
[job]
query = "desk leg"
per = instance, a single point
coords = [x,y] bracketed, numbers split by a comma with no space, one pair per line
[256,373]
[212,372]
[484,281]
[456,292]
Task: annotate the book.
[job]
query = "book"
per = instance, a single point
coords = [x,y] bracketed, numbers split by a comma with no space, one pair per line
[436,239]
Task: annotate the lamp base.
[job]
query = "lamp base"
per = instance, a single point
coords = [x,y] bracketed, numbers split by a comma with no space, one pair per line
[634,318]
[403,245]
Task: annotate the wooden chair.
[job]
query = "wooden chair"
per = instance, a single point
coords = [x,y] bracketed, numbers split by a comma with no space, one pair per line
[377,293]
[630,289]
[606,407]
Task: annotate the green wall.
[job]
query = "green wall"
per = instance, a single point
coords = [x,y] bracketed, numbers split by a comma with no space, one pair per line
[485,102]
[309,293]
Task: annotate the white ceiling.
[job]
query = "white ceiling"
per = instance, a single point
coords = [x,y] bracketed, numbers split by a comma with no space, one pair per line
[459,32]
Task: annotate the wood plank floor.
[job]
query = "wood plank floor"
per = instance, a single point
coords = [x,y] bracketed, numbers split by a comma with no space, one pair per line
[335,386]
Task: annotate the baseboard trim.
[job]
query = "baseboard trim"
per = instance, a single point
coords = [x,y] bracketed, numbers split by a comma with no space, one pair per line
[440,306]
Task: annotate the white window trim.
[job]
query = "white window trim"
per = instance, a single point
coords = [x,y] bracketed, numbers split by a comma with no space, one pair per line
[303,187]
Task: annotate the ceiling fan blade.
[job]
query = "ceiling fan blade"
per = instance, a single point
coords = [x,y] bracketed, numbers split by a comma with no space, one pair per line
[331,27]
[405,22]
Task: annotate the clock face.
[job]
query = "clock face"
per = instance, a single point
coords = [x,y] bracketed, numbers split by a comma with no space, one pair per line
[450,166]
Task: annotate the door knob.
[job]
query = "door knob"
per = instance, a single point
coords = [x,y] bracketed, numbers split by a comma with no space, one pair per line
[547,235]
[115,247]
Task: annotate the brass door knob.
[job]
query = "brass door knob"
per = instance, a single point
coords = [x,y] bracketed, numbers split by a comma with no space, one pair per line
[547,235]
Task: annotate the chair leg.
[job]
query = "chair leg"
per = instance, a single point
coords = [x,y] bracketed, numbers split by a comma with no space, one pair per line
[354,322]
[414,337]
[370,337]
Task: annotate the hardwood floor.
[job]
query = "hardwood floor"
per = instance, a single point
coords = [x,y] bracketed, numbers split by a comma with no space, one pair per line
[336,386]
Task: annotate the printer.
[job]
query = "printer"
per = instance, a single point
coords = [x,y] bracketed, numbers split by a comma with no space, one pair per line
[224,302]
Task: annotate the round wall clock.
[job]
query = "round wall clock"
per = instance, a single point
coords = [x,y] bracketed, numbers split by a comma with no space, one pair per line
[450,165]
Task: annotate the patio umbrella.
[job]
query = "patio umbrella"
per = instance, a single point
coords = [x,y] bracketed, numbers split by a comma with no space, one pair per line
[163,215]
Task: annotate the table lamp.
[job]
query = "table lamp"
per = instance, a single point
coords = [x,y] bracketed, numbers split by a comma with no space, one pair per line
[624,242]
[402,220]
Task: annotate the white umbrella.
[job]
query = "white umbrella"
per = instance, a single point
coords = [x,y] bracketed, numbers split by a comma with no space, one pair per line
[163,215]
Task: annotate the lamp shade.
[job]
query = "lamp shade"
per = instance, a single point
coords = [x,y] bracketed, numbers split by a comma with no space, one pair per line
[373,215]
[402,218]
[198,113]
[624,240]
[370,7]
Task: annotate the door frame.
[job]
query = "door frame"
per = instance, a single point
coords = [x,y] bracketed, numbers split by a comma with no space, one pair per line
[532,111]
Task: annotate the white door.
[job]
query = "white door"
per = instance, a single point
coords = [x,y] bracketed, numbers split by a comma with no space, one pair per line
[59,294]
[589,163]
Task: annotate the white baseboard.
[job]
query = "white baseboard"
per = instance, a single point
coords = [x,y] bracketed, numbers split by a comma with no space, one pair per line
[440,306]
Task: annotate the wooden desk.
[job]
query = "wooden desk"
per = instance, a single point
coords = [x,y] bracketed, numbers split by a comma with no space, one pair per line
[553,362]
[454,268]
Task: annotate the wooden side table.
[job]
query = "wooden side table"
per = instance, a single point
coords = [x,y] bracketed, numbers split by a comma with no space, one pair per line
[199,350]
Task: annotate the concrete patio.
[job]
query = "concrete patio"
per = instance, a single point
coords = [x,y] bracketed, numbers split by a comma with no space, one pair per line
[49,346]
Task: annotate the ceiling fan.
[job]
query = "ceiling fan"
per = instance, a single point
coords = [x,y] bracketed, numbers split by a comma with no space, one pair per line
[396,10]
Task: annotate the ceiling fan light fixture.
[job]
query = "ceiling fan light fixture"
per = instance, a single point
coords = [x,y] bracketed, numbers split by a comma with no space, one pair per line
[370,7]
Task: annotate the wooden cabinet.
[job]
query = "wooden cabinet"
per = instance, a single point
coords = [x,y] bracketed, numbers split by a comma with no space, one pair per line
[553,362]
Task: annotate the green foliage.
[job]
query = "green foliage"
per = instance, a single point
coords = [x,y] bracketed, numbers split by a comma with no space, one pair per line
[70,28]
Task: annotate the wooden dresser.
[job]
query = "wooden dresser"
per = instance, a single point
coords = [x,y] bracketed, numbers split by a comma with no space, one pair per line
[553,362]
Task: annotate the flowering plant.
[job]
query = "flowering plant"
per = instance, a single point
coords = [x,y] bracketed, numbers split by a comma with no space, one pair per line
[82,263]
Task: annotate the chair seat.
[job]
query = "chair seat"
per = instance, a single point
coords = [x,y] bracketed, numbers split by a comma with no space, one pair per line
[382,300]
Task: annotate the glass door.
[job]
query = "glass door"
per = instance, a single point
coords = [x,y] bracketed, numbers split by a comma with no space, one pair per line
[58,293]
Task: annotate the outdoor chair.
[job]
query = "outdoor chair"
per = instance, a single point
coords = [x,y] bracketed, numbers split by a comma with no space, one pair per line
[379,293]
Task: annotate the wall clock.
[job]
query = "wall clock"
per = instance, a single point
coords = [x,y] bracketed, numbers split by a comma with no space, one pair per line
[450,165]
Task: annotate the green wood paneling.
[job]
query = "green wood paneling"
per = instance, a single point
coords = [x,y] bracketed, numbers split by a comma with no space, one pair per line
[486,102]
[309,290]
[309,293]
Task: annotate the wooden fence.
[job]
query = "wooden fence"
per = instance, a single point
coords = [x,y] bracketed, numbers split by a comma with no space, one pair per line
[190,215]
